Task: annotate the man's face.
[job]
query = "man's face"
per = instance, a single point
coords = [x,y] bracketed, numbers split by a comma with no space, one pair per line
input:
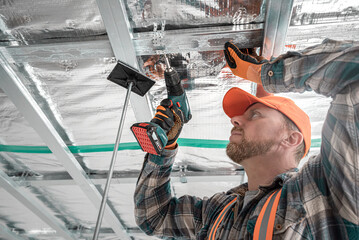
[255,132]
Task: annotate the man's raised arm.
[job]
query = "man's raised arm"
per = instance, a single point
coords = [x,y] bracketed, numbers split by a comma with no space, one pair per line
[330,69]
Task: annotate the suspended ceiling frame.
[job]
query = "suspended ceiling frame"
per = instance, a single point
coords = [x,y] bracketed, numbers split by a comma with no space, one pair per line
[22,99]
[122,41]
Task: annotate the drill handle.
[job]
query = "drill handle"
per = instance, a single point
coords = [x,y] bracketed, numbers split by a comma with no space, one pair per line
[182,103]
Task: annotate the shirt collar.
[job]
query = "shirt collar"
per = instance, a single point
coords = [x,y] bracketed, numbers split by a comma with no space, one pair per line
[277,183]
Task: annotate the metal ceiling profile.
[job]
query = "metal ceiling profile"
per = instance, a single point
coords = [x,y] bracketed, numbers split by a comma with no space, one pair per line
[23,100]
[276,25]
[118,30]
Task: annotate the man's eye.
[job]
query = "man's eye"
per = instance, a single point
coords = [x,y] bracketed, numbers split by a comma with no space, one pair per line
[255,114]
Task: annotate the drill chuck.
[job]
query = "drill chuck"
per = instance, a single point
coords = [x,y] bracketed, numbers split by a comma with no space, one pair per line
[173,83]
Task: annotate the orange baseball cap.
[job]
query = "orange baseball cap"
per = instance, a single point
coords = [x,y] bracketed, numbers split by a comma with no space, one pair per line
[236,102]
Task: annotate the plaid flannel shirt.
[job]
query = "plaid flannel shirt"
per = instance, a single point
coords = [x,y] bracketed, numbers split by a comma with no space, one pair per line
[319,201]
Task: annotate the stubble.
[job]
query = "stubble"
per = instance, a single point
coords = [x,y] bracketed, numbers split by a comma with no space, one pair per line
[246,148]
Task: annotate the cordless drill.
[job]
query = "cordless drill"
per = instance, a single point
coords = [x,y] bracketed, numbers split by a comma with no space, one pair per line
[150,136]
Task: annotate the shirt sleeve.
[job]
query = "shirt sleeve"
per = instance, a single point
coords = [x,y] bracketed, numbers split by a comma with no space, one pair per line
[330,69]
[156,211]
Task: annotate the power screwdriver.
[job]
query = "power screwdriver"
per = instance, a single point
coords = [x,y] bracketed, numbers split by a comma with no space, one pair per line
[150,136]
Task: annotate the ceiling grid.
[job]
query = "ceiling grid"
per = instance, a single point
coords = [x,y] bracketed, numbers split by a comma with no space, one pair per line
[19,95]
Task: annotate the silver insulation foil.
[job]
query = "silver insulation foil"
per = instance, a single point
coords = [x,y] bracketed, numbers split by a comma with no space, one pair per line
[181,14]
[61,53]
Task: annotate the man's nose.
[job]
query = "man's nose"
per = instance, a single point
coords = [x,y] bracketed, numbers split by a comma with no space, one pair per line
[237,120]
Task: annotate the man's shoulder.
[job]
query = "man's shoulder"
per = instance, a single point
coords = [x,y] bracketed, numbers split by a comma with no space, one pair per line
[308,180]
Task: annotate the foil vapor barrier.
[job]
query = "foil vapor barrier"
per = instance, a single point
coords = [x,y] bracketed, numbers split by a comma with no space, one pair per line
[61,53]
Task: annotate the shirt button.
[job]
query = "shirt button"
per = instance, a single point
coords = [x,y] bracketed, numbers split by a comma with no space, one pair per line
[278,226]
[270,73]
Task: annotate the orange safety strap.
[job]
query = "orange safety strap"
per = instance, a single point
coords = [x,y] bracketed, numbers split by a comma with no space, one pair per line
[213,231]
[263,229]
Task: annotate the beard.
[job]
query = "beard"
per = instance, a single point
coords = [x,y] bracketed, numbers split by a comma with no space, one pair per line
[246,149]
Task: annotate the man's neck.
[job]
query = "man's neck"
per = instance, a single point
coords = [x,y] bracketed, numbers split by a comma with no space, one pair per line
[261,172]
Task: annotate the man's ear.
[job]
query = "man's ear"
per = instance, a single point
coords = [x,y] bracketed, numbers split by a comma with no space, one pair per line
[294,139]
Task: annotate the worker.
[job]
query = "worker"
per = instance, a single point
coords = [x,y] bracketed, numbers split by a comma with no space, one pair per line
[270,136]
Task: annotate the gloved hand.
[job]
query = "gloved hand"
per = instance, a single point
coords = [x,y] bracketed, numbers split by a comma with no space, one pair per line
[244,63]
[170,118]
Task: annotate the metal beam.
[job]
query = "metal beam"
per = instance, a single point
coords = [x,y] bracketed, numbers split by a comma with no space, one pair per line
[31,203]
[276,24]
[63,178]
[278,13]
[307,35]
[114,16]
[56,52]
[106,233]
[186,40]
[4,231]
[17,92]
[199,39]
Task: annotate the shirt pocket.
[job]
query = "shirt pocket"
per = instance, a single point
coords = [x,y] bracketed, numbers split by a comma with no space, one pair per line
[290,221]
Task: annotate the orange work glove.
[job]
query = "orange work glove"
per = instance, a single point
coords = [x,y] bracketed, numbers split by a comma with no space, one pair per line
[244,63]
[170,118]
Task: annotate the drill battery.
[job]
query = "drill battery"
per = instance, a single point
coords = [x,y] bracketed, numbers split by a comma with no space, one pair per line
[150,136]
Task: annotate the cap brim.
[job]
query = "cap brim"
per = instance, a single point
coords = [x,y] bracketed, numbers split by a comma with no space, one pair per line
[236,102]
